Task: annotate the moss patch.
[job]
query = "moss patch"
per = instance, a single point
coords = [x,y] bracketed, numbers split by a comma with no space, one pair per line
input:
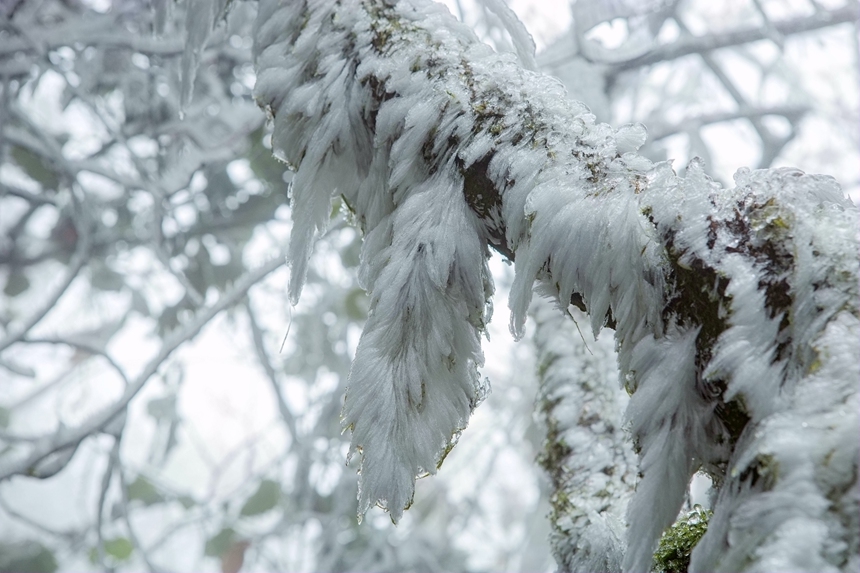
[677,542]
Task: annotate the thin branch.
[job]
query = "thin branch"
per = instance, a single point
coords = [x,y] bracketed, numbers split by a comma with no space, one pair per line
[51,150]
[90,348]
[4,103]
[265,362]
[106,478]
[657,133]
[14,191]
[772,33]
[80,257]
[125,513]
[703,44]
[34,394]
[70,535]
[71,436]
[96,31]
[771,145]
[163,256]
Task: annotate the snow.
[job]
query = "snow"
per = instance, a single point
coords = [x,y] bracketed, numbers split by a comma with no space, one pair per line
[522,41]
[580,400]
[720,298]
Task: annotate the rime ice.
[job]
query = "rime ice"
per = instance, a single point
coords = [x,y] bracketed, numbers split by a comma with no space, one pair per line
[735,311]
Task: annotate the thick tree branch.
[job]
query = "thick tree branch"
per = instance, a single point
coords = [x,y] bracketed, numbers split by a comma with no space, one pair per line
[729,304]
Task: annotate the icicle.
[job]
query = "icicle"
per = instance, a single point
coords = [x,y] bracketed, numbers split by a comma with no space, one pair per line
[200,19]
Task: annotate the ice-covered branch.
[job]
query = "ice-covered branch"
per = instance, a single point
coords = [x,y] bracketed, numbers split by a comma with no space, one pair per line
[735,310]
[97,30]
[793,113]
[703,44]
[6,189]
[587,456]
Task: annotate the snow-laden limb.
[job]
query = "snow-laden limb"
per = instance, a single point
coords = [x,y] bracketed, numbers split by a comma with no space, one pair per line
[414,381]
[587,455]
[785,245]
[735,311]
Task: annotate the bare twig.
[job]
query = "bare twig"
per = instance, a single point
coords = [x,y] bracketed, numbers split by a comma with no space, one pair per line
[70,535]
[89,348]
[45,147]
[772,33]
[106,478]
[771,145]
[94,31]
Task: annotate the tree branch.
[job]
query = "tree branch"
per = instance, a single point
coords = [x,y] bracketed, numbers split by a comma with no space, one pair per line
[587,456]
[14,191]
[86,347]
[69,437]
[657,132]
[97,30]
[80,258]
[731,306]
[123,485]
[703,44]
[263,358]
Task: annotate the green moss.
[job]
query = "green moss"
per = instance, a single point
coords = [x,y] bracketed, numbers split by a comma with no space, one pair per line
[700,295]
[561,506]
[555,450]
[677,542]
